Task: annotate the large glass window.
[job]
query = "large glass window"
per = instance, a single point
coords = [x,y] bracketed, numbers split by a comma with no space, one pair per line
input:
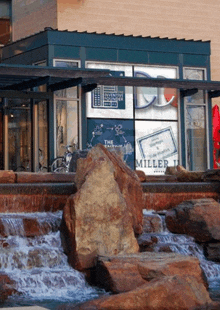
[19,136]
[66,113]
[195,124]
[42,136]
[142,122]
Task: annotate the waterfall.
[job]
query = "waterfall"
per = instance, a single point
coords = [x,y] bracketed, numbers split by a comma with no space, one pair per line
[38,264]
[181,244]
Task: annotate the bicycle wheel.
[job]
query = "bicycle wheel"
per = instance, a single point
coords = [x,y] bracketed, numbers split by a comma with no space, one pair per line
[58,165]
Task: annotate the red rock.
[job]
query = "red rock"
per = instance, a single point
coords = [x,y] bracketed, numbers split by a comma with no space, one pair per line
[198,218]
[212,251]
[126,179]
[97,218]
[106,212]
[166,293]
[211,175]
[152,223]
[7,176]
[118,276]
[184,175]
[141,175]
[7,287]
[124,272]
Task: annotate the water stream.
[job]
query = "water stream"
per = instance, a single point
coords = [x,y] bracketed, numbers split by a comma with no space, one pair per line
[38,265]
[40,269]
[165,241]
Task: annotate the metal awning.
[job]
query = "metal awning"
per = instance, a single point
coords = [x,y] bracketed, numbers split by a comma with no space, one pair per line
[18,80]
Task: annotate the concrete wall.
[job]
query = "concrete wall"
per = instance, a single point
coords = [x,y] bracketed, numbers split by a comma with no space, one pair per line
[189,19]
[31,16]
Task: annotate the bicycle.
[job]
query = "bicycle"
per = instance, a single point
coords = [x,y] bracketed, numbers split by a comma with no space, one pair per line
[61,163]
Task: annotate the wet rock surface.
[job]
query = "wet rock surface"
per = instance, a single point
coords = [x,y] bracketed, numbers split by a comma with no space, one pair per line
[198,218]
[167,293]
[103,217]
[212,251]
[113,272]
[7,287]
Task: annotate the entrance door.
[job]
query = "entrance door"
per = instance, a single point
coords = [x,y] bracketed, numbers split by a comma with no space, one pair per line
[25,135]
[19,135]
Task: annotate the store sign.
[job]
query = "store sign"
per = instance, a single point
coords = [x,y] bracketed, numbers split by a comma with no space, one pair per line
[116,135]
[109,97]
[157,149]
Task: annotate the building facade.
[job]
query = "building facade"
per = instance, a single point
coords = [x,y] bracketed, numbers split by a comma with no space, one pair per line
[152,127]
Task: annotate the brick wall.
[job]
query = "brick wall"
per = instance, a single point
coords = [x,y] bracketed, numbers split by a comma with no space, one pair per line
[189,19]
[32,16]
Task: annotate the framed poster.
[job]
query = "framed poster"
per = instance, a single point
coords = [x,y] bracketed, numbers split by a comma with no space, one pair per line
[117,135]
[111,101]
[152,102]
[156,146]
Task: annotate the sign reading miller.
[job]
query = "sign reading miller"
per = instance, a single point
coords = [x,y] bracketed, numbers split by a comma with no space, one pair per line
[157,150]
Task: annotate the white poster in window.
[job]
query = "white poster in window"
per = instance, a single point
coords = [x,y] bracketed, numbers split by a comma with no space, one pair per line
[156,146]
[152,102]
[110,101]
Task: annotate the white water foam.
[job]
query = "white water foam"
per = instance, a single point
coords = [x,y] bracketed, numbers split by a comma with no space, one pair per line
[185,245]
[39,266]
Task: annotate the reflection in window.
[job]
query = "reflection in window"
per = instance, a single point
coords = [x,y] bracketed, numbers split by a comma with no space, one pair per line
[195,122]
[196,138]
[71,92]
[66,125]
[42,135]
[19,136]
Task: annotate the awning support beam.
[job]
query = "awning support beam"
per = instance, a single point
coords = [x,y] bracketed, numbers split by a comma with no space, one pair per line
[214,94]
[28,84]
[65,84]
[89,87]
[188,92]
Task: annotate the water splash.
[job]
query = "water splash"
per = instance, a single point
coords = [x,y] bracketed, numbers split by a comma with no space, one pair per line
[185,245]
[38,265]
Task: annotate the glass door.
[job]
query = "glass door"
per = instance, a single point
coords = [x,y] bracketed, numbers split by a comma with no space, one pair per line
[19,135]
[25,135]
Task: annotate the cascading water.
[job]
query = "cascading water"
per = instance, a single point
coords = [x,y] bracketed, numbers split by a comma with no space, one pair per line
[185,245]
[38,265]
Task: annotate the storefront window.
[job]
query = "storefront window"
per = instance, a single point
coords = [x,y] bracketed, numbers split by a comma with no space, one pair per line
[66,125]
[195,124]
[67,113]
[143,122]
[19,136]
[42,136]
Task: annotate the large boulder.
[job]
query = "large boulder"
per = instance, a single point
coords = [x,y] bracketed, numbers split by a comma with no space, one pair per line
[198,218]
[123,273]
[166,293]
[211,175]
[105,213]
[126,179]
